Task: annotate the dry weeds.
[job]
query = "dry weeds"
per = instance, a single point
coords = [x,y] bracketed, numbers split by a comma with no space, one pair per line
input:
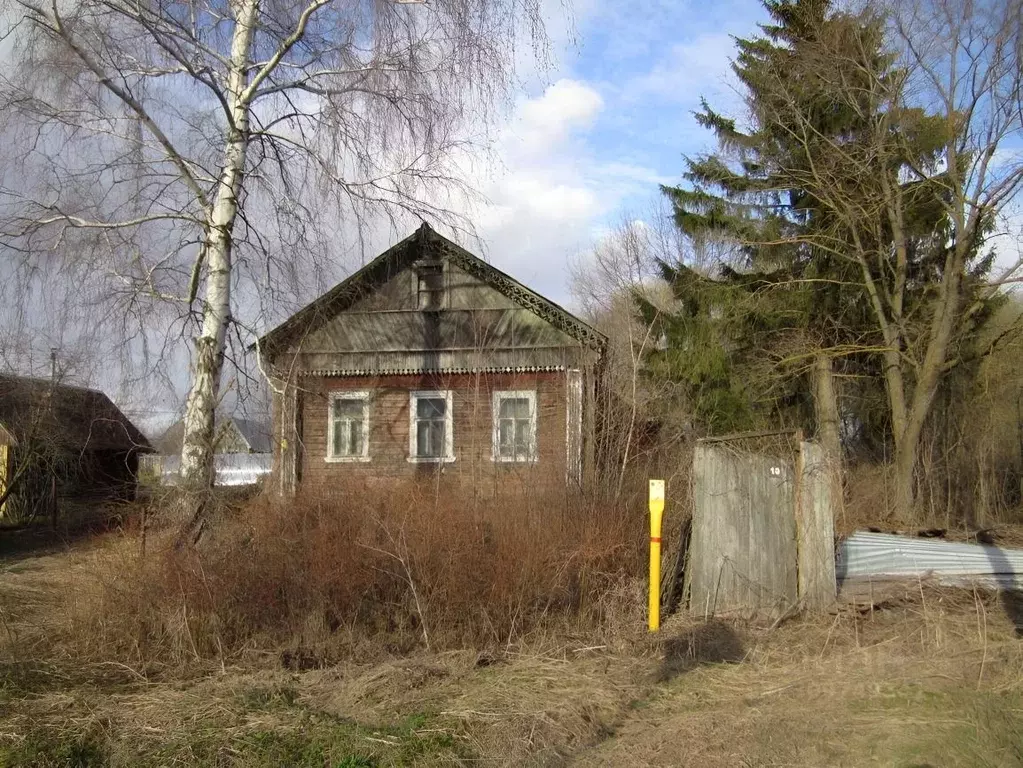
[931,677]
[324,579]
[920,676]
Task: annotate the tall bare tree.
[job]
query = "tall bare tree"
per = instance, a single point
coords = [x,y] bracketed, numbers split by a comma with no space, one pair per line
[915,199]
[195,152]
[874,171]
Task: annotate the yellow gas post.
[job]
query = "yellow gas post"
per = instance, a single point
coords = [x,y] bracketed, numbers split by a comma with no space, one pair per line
[656,514]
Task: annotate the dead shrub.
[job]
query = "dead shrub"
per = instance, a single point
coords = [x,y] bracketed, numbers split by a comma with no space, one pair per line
[318,576]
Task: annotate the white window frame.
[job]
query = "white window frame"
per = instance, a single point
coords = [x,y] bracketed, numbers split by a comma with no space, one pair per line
[341,394]
[532,454]
[449,426]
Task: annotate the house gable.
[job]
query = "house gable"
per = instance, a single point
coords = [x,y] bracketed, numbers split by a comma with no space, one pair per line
[229,439]
[231,435]
[372,322]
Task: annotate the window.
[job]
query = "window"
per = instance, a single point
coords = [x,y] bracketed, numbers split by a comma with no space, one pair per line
[515,426]
[348,427]
[430,282]
[430,433]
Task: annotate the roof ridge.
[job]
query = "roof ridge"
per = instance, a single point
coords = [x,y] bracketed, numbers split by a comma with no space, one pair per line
[50,382]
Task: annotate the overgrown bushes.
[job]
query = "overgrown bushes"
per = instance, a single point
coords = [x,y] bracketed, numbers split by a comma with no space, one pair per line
[316,577]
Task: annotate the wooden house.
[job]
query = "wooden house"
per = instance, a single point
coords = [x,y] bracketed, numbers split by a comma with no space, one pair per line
[233,434]
[242,453]
[431,363]
[62,443]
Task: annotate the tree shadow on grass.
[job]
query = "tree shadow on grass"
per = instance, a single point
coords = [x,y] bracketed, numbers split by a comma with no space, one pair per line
[714,642]
[1009,592]
[36,540]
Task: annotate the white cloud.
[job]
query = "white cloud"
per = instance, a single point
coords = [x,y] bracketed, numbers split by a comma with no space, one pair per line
[552,200]
[564,107]
[555,190]
[699,67]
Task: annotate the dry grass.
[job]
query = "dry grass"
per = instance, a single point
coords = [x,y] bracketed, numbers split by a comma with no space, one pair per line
[934,677]
[320,580]
[918,676]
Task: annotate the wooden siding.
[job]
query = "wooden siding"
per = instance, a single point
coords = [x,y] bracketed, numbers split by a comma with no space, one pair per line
[472,430]
[480,329]
[742,556]
[470,329]
[463,292]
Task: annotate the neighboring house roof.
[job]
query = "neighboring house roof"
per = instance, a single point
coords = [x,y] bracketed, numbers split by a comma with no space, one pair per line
[255,434]
[75,418]
[425,241]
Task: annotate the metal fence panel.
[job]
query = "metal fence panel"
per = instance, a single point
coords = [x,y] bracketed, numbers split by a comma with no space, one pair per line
[232,469]
[865,557]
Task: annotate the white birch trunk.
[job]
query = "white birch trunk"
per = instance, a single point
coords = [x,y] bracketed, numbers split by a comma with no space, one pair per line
[197,446]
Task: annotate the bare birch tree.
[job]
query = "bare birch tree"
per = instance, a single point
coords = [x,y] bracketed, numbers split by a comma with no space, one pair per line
[193,153]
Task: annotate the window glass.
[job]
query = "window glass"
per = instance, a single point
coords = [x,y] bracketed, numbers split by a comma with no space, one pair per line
[349,417]
[431,426]
[515,418]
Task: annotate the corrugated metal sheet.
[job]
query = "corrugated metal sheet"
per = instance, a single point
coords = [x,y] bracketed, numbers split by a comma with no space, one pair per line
[866,557]
[231,468]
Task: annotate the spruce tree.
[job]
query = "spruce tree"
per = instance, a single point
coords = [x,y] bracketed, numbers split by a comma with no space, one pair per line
[793,296]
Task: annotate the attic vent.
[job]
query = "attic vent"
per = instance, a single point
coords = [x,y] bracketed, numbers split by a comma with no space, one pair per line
[431,285]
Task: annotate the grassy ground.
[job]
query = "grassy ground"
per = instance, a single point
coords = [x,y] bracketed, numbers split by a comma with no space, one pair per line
[924,677]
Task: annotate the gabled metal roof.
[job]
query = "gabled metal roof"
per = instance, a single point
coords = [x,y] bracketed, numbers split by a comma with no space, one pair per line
[424,243]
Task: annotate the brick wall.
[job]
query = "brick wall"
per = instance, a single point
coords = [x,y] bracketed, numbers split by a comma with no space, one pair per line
[472,431]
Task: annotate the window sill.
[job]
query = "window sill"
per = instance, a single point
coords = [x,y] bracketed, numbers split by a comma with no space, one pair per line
[430,459]
[507,460]
[347,459]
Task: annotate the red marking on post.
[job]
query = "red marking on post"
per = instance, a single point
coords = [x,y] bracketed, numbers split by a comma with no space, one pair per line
[655,539]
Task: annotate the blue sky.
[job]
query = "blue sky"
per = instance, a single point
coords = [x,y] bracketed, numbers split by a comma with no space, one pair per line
[591,139]
[584,146]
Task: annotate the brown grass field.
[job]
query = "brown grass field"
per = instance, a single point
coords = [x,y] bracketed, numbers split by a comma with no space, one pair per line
[919,676]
